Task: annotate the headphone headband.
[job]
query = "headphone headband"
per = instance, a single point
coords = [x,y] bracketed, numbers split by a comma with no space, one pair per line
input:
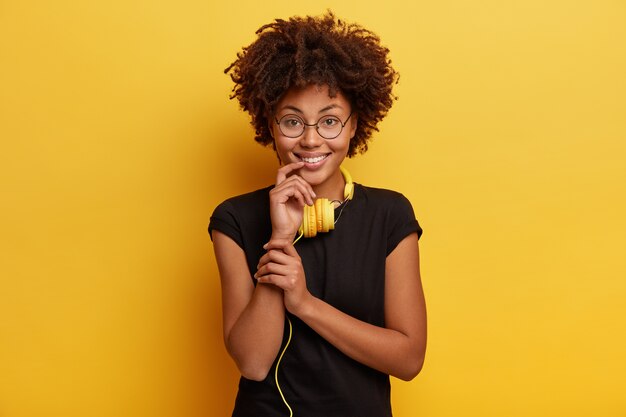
[348,191]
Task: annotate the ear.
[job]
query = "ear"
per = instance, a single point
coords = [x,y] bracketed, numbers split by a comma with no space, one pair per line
[270,129]
[271,125]
[275,152]
[354,121]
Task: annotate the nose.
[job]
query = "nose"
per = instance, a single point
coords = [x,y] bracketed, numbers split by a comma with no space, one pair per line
[310,138]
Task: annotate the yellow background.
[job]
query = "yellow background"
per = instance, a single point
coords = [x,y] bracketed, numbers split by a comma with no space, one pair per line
[118,140]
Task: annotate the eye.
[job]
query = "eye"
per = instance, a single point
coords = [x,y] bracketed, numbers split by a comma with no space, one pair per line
[329,121]
[291,121]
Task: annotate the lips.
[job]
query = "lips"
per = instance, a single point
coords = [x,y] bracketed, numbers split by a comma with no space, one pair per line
[312,159]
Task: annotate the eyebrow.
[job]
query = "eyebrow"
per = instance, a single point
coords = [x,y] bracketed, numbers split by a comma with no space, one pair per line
[325,109]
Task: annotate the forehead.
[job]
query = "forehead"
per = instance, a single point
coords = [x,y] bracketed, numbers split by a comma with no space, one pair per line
[311,99]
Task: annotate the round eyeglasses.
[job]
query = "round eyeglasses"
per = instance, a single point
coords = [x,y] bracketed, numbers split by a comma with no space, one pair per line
[328,127]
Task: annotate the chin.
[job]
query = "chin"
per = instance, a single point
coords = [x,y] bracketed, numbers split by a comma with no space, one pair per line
[318,177]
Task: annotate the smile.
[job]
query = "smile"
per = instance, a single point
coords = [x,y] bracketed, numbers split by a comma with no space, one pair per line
[312,160]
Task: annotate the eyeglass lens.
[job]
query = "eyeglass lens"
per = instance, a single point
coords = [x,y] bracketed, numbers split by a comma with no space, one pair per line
[328,127]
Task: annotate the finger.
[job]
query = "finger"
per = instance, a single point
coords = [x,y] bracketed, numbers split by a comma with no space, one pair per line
[300,197]
[285,191]
[272,269]
[277,244]
[276,256]
[291,251]
[272,279]
[295,183]
[294,177]
[301,181]
[284,171]
[281,281]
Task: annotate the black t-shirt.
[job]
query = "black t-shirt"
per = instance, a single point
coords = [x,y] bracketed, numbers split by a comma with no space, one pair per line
[344,267]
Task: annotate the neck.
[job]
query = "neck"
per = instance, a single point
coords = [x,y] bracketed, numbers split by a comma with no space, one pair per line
[331,189]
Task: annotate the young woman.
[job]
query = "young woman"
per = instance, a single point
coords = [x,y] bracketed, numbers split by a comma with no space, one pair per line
[317,319]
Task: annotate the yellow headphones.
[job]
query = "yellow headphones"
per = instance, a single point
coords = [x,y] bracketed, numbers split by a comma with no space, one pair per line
[320,217]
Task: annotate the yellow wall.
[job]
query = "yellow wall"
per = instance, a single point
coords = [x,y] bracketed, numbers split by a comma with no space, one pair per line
[118,140]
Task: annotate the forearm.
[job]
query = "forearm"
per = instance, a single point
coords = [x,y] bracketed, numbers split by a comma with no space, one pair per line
[386,350]
[397,349]
[255,338]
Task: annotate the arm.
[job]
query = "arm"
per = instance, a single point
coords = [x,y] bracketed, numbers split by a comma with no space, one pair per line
[397,349]
[253,318]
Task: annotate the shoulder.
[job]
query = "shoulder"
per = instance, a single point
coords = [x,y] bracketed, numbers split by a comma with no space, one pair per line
[245,200]
[380,196]
[395,209]
[238,213]
[244,205]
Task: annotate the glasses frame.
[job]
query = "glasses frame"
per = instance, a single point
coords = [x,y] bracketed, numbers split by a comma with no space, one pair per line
[316,125]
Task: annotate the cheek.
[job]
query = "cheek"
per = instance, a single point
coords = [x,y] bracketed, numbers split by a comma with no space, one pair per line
[341,147]
[279,145]
[282,149]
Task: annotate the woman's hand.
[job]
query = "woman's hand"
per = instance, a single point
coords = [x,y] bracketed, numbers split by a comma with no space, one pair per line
[287,201]
[282,267]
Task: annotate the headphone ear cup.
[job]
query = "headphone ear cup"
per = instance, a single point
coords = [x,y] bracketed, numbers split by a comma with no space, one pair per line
[321,214]
[320,217]
[325,213]
[309,223]
[329,216]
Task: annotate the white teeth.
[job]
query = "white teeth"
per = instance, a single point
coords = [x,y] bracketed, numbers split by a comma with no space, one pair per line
[313,160]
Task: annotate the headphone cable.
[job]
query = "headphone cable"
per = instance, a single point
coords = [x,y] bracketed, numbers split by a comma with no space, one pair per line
[278,363]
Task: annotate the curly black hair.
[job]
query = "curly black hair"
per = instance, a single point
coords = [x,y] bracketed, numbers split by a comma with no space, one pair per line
[315,50]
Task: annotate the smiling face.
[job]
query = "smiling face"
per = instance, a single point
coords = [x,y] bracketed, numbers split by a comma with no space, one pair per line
[321,157]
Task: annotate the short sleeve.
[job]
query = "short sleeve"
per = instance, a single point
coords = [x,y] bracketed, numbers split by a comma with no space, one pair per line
[224,219]
[402,222]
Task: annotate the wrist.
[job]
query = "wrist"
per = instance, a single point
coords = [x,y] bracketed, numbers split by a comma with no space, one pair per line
[305,307]
[283,236]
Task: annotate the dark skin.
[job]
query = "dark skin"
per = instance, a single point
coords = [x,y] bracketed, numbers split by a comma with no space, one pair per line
[397,349]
